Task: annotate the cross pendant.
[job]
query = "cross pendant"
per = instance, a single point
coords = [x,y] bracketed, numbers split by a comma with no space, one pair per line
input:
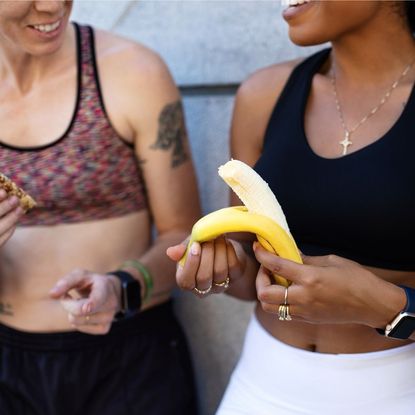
[345,142]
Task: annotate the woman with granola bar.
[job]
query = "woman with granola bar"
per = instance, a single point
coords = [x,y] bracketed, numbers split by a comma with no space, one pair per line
[92,128]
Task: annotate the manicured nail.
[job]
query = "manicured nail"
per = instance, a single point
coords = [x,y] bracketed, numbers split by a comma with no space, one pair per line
[86,308]
[195,249]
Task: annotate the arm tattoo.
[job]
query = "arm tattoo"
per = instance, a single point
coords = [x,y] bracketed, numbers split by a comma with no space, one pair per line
[172,133]
[6,309]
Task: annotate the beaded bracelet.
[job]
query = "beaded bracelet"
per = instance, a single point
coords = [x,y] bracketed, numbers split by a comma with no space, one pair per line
[145,273]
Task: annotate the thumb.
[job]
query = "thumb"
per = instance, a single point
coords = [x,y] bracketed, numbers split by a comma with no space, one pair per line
[75,279]
[284,267]
[176,252]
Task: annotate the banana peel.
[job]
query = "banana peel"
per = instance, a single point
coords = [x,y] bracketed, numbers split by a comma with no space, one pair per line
[238,219]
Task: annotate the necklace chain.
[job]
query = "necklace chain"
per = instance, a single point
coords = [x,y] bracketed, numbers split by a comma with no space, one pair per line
[348,132]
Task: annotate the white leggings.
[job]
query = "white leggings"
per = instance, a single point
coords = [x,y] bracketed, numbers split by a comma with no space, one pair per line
[272,378]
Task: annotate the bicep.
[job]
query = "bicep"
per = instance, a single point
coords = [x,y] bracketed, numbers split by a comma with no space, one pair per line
[164,152]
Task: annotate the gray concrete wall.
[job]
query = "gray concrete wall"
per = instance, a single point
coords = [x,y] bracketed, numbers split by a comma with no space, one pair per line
[210,47]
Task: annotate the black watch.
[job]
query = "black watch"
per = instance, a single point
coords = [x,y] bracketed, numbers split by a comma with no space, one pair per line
[403,325]
[130,293]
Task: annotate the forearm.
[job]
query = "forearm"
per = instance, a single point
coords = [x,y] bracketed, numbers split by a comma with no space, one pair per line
[160,267]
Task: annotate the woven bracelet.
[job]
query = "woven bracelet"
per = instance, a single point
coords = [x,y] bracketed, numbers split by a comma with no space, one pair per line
[145,273]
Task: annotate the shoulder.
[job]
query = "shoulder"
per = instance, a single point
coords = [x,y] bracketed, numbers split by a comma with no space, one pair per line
[254,102]
[265,85]
[128,59]
[258,94]
[135,82]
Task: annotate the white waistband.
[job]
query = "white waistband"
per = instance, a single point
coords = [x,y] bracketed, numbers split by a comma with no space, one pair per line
[319,383]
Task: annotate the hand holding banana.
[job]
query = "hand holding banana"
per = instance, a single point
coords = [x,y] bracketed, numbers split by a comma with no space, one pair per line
[261,215]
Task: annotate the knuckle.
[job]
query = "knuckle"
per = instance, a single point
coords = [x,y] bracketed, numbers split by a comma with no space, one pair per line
[220,274]
[185,284]
[204,279]
[188,286]
[78,272]
[261,294]
[267,307]
[309,279]
[104,328]
[332,259]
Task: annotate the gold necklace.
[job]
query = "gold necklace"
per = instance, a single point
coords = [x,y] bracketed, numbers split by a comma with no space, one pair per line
[346,142]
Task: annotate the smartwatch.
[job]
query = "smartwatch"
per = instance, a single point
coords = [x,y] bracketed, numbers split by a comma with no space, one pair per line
[403,325]
[130,293]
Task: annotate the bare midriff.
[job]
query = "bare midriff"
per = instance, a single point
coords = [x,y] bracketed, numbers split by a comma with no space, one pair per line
[35,258]
[335,338]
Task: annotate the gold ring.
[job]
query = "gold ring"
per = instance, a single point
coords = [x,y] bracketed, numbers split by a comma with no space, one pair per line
[286,296]
[223,284]
[87,318]
[284,312]
[203,292]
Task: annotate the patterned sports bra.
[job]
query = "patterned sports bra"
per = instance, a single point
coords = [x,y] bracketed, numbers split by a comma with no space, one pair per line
[88,173]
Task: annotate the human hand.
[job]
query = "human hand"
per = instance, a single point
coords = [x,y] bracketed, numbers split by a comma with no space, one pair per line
[10,213]
[90,299]
[209,268]
[325,289]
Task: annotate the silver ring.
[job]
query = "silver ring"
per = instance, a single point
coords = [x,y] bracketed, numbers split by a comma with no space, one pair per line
[284,312]
[223,284]
[203,292]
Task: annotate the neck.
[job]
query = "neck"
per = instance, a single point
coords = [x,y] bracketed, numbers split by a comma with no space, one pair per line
[22,71]
[377,60]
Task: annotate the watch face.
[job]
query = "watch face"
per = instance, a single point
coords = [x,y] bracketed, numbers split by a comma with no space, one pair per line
[402,327]
[132,296]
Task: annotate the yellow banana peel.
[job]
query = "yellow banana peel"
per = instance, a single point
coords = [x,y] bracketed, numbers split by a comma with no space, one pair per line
[238,219]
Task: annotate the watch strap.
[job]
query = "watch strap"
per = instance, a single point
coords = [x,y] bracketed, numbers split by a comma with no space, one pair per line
[130,301]
[409,307]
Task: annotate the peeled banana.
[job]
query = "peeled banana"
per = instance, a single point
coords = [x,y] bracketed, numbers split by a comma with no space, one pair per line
[261,215]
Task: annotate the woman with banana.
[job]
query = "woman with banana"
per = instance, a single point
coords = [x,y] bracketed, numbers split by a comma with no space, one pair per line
[333,135]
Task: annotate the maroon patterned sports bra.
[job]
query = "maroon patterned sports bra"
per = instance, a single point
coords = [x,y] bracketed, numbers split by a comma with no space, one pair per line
[88,173]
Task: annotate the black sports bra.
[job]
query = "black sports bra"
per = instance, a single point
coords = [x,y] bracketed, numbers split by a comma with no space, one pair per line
[360,206]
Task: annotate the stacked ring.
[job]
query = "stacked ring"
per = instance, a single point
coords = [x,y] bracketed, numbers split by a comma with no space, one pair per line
[284,309]
[223,284]
[284,312]
[203,292]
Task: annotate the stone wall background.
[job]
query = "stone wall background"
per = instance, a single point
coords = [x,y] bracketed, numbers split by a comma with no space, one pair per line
[210,47]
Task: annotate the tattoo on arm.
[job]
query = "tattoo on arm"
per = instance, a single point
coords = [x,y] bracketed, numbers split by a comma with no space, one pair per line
[6,309]
[172,133]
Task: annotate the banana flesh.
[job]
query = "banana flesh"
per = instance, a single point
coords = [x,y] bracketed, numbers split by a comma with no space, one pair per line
[262,215]
[253,191]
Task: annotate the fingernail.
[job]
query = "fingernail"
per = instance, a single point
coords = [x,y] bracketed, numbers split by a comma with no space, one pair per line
[195,249]
[86,308]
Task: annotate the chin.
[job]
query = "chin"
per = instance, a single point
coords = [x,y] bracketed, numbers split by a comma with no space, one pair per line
[44,50]
[303,38]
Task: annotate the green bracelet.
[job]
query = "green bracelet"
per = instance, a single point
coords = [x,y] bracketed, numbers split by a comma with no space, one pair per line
[145,273]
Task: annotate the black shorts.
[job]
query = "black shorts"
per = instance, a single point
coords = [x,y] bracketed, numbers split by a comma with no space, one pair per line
[142,366]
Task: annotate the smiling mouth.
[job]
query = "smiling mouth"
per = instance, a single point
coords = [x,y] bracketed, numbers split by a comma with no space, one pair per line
[293,3]
[46,28]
